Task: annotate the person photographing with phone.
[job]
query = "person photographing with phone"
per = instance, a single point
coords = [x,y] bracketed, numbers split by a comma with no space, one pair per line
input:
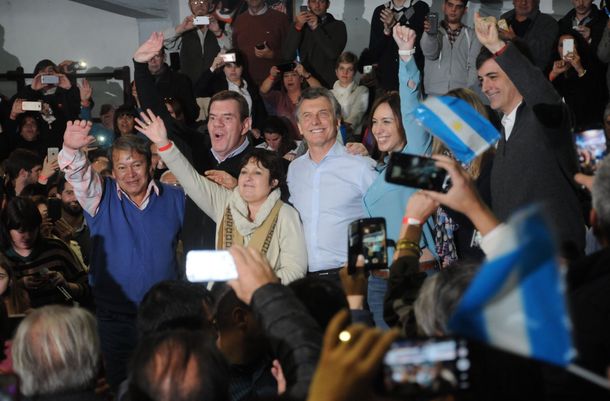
[577,76]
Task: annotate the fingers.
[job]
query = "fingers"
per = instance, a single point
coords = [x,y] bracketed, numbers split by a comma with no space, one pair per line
[379,348]
[585,180]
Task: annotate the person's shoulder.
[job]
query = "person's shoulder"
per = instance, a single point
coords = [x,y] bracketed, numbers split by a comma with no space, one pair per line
[288,213]
[169,190]
[421,6]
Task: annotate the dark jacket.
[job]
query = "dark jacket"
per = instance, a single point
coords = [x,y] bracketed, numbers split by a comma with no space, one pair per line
[172,84]
[538,162]
[192,60]
[539,37]
[383,48]
[318,49]
[294,336]
[210,83]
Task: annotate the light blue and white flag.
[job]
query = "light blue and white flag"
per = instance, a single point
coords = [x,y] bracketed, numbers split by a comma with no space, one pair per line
[455,122]
[516,302]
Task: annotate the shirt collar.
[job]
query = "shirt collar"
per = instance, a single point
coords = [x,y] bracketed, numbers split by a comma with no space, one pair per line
[510,117]
[260,12]
[236,151]
[336,150]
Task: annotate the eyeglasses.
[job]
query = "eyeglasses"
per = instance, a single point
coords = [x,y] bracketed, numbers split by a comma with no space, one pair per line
[198,2]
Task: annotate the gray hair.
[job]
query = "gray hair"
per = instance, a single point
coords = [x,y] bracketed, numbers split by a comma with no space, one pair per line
[601,195]
[316,93]
[56,349]
[439,296]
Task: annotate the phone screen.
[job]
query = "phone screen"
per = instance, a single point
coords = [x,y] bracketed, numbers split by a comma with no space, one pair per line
[54,209]
[426,368]
[367,237]
[416,172]
[591,147]
[202,266]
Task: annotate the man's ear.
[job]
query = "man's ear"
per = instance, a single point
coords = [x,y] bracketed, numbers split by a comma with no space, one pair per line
[246,125]
[239,317]
[22,173]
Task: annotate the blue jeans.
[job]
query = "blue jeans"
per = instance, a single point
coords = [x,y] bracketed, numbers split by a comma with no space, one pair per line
[376,292]
[118,339]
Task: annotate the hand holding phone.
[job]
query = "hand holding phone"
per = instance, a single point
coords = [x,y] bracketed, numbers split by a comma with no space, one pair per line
[433,21]
[568,46]
[367,237]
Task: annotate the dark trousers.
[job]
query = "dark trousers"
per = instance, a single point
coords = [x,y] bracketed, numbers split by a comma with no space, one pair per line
[118,339]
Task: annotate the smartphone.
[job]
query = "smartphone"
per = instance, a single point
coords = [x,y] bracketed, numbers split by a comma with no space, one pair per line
[426,368]
[52,154]
[304,9]
[261,46]
[9,387]
[286,67]
[502,24]
[568,46]
[367,69]
[49,79]
[202,266]
[591,148]
[54,209]
[31,106]
[198,21]
[416,172]
[228,57]
[367,237]
[433,20]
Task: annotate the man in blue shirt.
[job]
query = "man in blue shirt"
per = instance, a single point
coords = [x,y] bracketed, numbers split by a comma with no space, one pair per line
[326,183]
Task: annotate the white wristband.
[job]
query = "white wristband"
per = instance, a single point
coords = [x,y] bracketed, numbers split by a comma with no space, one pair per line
[406,52]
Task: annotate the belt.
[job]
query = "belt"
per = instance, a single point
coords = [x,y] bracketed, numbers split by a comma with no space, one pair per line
[423,267]
[327,272]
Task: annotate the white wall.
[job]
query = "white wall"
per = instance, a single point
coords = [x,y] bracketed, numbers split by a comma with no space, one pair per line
[61,29]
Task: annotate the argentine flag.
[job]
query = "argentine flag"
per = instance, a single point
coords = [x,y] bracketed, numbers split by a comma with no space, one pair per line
[516,302]
[463,130]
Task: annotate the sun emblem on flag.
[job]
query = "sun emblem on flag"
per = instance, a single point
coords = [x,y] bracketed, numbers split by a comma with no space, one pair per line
[457,125]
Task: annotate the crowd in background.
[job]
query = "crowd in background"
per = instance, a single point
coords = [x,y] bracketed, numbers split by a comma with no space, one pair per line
[267,139]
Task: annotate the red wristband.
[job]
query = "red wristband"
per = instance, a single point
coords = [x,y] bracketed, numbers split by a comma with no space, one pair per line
[43,178]
[165,147]
[411,221]
[502,50]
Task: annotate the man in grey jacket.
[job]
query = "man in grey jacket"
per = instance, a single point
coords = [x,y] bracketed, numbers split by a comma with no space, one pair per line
[535,160]
[450,51]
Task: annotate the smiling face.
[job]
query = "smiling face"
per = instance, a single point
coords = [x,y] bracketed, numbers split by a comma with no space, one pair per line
[254,182]
[29,129]
[345,73]
[499,89]
[131,172]
[225,126]
[317,123]
[386,130]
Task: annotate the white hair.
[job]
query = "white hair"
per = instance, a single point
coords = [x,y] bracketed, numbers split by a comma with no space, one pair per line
[56,349]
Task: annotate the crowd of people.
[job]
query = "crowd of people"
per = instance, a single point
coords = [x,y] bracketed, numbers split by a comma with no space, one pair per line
[264,142]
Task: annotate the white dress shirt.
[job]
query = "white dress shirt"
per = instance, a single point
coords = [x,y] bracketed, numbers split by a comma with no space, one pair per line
[328,195]
[508,121]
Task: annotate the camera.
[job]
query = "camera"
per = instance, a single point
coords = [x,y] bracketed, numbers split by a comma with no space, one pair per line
[228,58]
[49,79]
[31,106]
[198,21]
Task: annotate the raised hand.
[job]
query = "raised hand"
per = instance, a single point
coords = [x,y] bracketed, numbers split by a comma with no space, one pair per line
[85,91]
[153,127]
[387,18]
[559,67]
[150,48]
[221,178]
[37,82]
[486,29]
[77,135]
[186,25]
[218,61]
[16,109]
[64,82]
[214,26]
[49,167]
[404,37]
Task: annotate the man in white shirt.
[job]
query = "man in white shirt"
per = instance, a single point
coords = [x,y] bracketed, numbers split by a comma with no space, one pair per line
[326,183]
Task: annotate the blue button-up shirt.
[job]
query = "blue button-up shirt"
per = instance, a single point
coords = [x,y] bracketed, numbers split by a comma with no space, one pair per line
[328,195]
